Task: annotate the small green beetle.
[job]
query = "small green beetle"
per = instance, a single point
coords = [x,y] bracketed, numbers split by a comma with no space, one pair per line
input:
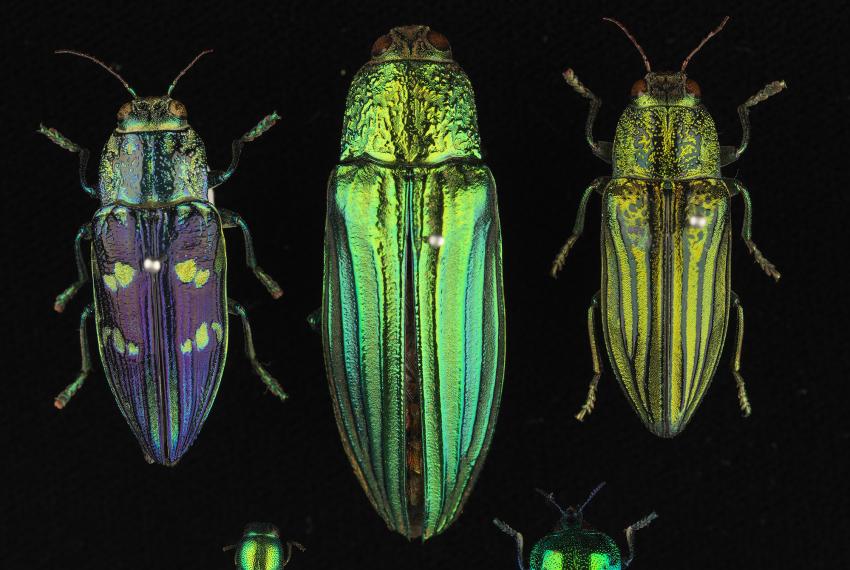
[665,299]
[574,545]
[261,548]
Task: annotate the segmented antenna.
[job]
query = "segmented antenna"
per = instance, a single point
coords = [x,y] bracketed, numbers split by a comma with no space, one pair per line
[592,494]
[185,69]
[551,498]
[104,66]
[710,35]
[634,41]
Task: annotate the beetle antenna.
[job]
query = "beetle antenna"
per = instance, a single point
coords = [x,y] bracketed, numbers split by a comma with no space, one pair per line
[185,69]
[551,498]
[104,66]
[634,41]
[710,35]
[592,494]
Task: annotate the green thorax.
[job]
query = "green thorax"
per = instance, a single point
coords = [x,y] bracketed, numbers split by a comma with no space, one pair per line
[259,549]
[666,133]
[575,549]
[156,167]
[411,104]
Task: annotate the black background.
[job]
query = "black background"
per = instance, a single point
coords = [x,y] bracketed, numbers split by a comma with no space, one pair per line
[763,492]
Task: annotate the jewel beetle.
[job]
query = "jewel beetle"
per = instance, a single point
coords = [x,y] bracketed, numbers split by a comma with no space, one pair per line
[261,548]
[575,545]
[159,271]
[413,320]
[666,236]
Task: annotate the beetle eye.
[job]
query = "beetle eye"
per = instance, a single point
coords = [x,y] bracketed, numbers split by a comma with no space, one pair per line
[438,40]
[692,87]
[124,111]
[639,87]
[381,45]
[177,109]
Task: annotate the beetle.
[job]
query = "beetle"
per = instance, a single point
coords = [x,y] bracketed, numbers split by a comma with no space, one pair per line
[574,545]
[261,549]
[665,298]
[159,271]
[413,320]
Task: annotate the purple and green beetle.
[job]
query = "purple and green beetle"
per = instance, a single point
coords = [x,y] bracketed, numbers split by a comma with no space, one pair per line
[159,269]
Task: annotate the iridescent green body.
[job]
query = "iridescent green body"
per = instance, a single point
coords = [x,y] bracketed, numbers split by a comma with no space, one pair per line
[574,548]
[575,545]
[413,315]
[261,549]
[666,234]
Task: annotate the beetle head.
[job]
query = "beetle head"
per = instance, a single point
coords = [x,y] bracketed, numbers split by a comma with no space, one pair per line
[572,518]
[261,529]
[665,88]
[146,114]
[407,43]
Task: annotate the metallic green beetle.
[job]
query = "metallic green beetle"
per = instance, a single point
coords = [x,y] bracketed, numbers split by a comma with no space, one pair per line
[261,549]
[666,297]
[412,318]
[574,545]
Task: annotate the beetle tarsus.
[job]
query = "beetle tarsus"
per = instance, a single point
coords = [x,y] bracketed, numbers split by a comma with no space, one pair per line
[561,259]
[271,383]
[65,395]
[270,284]
[60,401]
[768,90]
[65,296]
[517,536]
[587,408]
[630,535]
[59,139]
[590,401]
[762,261]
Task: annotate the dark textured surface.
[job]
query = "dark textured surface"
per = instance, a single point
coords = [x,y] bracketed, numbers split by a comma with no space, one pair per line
[765,492]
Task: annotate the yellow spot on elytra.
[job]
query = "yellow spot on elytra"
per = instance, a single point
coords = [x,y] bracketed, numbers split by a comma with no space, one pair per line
[124,273]
[186,270]
[132,349]
[111,282]
[186,347]
[202,337]
[219,332]
[201,277]
[106,332]
[118,340]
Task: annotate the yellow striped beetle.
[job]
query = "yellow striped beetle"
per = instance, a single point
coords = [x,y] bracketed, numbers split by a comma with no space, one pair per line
[665,298]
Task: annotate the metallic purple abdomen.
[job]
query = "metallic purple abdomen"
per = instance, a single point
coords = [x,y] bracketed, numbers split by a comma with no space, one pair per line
[161,311]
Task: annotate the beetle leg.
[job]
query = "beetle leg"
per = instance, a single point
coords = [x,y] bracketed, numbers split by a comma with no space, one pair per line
[600,149]
[82,271]
[744,113]
[630,536]
[517,536]
[288,555]
[58,138]
[62,399]
[231,220]
[235,308]
[747,231]
[736,360]
[217,177]
[578,227]
[597,362]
